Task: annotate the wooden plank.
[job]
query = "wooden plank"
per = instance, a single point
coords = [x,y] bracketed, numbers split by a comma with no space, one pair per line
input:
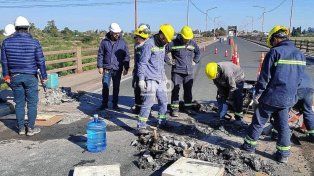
[48,53]
[60,61]
[62,69]
[89,64]
[89,49]
[88,57]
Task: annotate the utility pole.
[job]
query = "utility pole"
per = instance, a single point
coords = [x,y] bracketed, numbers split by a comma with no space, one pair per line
[263,16]
[135,14]
[215,26]
[187,12]
[291,13]
[252,21]
[207,16]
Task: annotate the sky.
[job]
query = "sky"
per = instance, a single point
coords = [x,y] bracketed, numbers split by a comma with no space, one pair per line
[100,13]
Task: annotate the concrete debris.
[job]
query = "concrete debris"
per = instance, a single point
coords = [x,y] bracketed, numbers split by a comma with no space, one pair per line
[168,149]
[59,96]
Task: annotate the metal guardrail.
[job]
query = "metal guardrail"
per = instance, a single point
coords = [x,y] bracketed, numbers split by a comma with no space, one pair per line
[304,45]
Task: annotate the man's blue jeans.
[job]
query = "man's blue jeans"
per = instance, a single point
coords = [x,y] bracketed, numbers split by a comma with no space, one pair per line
[115,75]
[25,89]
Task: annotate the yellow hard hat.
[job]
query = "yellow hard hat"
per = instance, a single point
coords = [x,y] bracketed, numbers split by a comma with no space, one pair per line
[168,31]
[143,31]
[211,70]
[187,33]
[275,30]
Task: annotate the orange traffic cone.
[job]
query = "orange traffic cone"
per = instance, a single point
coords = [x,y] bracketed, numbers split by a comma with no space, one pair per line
[216,50]
[261,60]
[226,53]
[238,59]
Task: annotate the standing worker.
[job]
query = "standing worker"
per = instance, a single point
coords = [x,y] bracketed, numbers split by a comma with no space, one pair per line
[276,91]
[229,79]
[152,77]
[9,30]
[113,57]
[185,53]
[141,34]
[21,57]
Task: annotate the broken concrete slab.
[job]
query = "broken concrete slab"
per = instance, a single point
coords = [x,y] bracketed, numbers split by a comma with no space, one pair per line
[108,170]
[187,167]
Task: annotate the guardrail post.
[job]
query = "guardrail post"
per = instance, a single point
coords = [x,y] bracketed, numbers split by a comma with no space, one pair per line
[79,65]
[301,45]
[307,46]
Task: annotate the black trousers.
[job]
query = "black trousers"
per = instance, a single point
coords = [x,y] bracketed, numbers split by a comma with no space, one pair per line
[187,81]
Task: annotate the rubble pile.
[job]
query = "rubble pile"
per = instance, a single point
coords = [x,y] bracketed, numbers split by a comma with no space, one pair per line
[59,96]
[159,151]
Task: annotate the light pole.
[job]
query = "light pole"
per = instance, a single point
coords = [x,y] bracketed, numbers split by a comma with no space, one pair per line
[207,16]
[215,25]
[135,14]
[252,21]
[264,11]
[291,13]
[187,12]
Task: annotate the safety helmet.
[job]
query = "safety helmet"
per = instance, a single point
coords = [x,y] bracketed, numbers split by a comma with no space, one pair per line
[211,70]
[277,30]
[9,30]
[143,31]
[187,33]
[168,31]
[21,22]
[114,27]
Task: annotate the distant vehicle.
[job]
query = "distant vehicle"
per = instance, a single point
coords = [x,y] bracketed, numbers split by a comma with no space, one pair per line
[232,31]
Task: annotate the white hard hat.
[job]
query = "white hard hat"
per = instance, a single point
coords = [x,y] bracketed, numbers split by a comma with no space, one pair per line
[21,21]
[114,27]
[9,30]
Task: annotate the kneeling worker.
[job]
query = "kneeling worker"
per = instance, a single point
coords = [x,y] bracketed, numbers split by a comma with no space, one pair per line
[229,79]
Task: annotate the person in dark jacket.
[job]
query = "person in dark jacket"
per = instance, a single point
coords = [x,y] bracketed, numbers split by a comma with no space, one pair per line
[21,57]
[141,34]
[305,95]
[113,58]
[185,53]
[276,91]
[229,80]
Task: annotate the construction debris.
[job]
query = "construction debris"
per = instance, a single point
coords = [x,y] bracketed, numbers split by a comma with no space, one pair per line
[59,96]
[168,149]
[108,170]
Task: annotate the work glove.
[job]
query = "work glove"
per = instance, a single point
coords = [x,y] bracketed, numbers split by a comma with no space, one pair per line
[142,85]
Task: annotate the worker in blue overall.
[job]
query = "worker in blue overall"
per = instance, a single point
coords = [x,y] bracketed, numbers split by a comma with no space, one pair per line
[185,54]
[276,91]
[152,77]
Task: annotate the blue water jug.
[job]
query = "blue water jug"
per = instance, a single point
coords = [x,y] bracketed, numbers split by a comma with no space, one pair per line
[53,81]
[96,135]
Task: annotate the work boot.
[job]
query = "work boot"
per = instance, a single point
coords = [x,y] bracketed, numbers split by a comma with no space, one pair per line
[308,138]
[142,128]
[136,109]
[162,122]
[281,159]
[239,122]
[174,113]
[248,148]
[116,108]
[22,131]
[32,131]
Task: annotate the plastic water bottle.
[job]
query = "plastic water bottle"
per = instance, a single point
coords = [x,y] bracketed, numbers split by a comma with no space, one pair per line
[96,135]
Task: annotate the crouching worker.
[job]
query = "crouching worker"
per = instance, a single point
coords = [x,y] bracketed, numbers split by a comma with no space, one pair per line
[229,79]
[152,77]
